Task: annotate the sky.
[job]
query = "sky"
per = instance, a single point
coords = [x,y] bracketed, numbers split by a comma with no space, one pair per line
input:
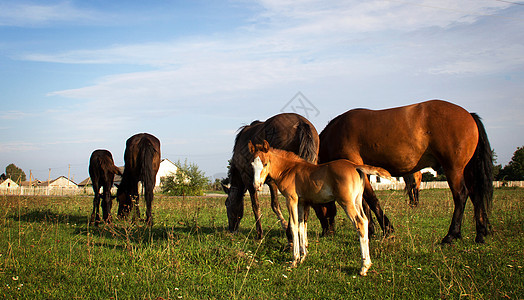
[76,76]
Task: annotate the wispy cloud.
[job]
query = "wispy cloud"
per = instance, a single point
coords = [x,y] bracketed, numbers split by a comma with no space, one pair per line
[21,13]
[13,115]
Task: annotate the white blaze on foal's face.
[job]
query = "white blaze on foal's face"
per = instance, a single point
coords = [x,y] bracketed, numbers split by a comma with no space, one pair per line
[259,173]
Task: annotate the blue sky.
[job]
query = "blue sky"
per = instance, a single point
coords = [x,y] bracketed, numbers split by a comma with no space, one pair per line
[84,75]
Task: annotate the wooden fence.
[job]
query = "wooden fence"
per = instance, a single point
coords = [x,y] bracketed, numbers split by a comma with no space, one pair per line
[70,191]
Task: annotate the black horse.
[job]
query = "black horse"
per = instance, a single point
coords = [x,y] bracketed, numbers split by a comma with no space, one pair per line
[287,131]
[102,171]
[142,160]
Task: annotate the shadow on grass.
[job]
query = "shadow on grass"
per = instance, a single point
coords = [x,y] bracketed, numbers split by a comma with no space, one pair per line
[49,216]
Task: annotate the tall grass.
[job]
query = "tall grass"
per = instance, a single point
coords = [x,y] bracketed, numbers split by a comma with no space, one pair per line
[49,251]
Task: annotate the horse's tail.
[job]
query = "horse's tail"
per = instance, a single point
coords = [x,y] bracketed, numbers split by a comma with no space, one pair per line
[481,166]
[115,170]
[370,170]
[148,176]
[308,148]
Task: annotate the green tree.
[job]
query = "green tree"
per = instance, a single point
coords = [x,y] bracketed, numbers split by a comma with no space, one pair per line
[188,181]
[515,169]
[15,173]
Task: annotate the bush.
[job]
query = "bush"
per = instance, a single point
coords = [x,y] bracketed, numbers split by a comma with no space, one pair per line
[188,181]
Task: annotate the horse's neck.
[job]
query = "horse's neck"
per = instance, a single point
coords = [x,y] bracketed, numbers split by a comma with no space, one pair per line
[282,166]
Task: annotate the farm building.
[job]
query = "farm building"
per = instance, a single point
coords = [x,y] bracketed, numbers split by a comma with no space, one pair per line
[8,184]
[60,183]
[167,168]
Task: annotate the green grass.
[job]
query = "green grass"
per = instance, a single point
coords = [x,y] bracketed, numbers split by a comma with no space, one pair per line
[48,251]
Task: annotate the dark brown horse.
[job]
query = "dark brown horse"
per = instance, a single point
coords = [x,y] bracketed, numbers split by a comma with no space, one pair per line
[406,139]
[142,160]
[287,131]
[102,171]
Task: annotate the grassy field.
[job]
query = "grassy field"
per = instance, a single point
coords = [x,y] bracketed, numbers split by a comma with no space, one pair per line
[48,251]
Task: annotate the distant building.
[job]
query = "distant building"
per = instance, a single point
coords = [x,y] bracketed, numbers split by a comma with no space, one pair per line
[60,183]
[167,168]
[8,184]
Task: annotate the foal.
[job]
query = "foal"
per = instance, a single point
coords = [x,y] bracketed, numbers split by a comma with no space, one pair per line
[302,182]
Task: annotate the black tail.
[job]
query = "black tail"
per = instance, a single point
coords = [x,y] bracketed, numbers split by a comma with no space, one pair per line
[308,149]
[482,166]
[148,176]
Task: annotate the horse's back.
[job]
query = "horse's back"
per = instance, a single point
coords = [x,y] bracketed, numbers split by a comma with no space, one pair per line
[282,132]
[136,146]
[401,139]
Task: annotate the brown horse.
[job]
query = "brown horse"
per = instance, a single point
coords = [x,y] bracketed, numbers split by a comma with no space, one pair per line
[406,139]
[102,171]
[287,131]
[304,183]
[413,182]
[142,160]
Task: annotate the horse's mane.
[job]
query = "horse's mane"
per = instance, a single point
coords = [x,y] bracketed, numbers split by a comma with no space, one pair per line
[287,154]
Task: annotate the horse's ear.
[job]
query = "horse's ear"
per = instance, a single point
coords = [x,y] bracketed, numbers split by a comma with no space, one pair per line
[265,147]
[225,188]
[251,147]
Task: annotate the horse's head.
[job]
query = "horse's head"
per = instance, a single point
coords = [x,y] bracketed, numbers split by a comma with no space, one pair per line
[234,201]
[124,198]
[260,163]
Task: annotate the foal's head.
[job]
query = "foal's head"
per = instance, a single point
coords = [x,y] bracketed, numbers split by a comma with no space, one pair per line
[260,163]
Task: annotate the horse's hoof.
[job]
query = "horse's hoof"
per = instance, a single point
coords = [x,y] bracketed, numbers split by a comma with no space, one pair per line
[364,269]
[447,240]
[479,239]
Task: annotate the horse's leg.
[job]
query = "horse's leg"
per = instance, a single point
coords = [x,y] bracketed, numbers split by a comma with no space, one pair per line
[352,205]
[95,215]
[292,206]
[326,215]
[106,204]
[255,205]
[460,194]
[373,202]
[274,203]
[302,232]
[149,201]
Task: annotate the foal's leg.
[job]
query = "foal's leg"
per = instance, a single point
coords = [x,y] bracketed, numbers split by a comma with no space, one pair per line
[302,231]
[292,206]
[352,205]
[274,203]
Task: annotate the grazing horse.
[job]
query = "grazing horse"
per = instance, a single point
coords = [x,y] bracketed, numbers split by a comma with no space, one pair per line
[406,139]
[287,131]
[413,187]
[102,171]
[142,160]
[303,183]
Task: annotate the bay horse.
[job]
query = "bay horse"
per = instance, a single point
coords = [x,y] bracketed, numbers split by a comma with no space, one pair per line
[303,183]
[102,171]
[406,139]
[142,160]
[287,131]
